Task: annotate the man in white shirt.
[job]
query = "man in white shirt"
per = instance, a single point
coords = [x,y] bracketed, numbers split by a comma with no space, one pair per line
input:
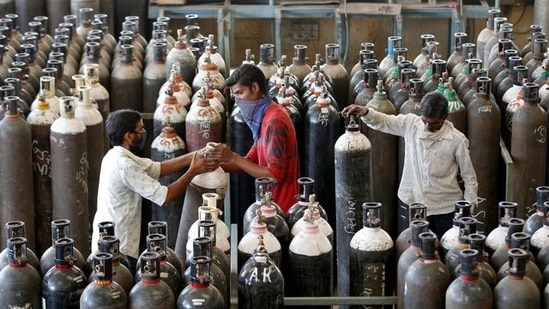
[125,178]
[435,153]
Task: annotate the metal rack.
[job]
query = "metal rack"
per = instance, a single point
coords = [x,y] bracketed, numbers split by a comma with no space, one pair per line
[226,14]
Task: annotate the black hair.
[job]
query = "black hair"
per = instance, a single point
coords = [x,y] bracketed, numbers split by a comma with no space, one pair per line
[246,75]
[434,104]
[119,123]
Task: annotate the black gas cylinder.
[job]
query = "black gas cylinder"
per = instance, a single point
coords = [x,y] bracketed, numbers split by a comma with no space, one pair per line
[17,229]
[260,282]
[426,274]
[202,246]
[469,289]
[353,178]
[63,284]
[59,229]
[151,292]
[516,290]
[537,219]
[306,192]
[310,262]
[409,256]
[103,292]
[19,282]
[168,272]
[200,293]
[371,256]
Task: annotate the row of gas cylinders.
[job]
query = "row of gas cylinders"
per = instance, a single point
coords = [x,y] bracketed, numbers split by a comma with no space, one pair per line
[273,262]
[103,279]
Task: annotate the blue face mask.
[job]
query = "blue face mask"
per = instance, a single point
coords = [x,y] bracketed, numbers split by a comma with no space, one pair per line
[253,111]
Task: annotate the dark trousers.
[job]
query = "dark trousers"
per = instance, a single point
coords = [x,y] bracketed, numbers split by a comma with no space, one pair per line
[439,224]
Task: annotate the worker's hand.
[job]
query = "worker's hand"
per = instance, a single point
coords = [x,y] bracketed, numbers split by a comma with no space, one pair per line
[220,152]
[353,109]
[202,164]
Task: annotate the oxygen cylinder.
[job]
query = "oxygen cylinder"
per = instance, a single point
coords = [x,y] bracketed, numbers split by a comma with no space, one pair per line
[181,90]
[200,293]
[393,79]
[384,146]
[168,272]
[161,227]
[202,246]
[458,55]
[540,236]
[64,283]
[469,289]
[40,120]
[16,183]
[537,219]
[70,178]
[310,262]
[337,72]
[438,69]
[522,240]
[103,291]
[150,292]
[120,272]
[125,77]
[95,134]
[323,225]
[27,90]
[401,90]
[209,211]
[426,274]
[465,80]
[299,66]
[528,148]
[367,62]
[22,104]
[409,256]
[486,272]
[276,224]
[19,282]
[98,93]
[496,237]
[93,55]
[59,229]
[214,181]
[486,33]
[353,179]
[499,256]
[248,243]
[241,184]
[170,112]
[166,146]
[516,290]
[483,132]
[467,226]
[388,61]
[322,128]
[267,60]
[183,56]
[371,256]
[154,77]
[17,229]
[305,198]
[260,282]
[450,238]
[203,124]
[416,211]
[206,231]
[263,186]
[210,70]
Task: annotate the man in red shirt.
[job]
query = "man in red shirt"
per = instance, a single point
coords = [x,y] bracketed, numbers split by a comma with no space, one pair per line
[274,152]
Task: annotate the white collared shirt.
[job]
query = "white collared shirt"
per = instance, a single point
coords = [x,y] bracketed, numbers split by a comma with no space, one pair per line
[123,180]
[432,162]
